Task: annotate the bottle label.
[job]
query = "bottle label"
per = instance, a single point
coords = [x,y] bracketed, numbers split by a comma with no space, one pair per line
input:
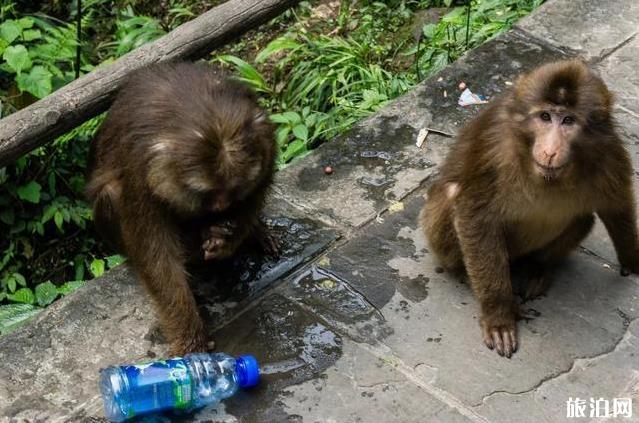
[159,385]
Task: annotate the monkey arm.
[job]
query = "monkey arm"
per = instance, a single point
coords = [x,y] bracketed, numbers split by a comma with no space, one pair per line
[621,225]
[154,249]
[483,243]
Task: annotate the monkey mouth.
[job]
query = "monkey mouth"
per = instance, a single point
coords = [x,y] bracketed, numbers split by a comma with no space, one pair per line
[549,172]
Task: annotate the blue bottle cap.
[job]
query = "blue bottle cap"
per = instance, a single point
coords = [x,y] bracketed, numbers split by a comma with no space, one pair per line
[248,371]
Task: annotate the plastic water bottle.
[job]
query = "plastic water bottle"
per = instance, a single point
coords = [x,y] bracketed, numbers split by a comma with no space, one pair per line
[175,384]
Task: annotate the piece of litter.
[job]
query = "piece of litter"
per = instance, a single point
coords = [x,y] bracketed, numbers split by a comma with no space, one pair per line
[445,94]
[327,284]
[467,98]
[396,207]
[423,133]
[324,261]
[508,83]
[606,265]
[421,137]
[440,79]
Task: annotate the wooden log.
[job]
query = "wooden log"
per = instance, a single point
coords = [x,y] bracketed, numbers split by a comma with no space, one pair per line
[92,93]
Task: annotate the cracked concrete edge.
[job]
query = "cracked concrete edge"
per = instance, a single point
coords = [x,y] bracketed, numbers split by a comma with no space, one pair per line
[578,363]
[524,34]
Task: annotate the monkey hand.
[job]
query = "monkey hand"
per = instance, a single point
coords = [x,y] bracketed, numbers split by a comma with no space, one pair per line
[218,240]
[499,330]
[267,241]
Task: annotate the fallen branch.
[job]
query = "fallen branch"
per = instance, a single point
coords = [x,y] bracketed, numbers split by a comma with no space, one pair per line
[92,94]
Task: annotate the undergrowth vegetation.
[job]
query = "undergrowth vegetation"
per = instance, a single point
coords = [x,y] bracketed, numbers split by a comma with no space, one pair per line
[318,69]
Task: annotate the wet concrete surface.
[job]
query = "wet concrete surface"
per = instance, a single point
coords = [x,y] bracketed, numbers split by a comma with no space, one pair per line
[51,364]
[356,322]
[377,162]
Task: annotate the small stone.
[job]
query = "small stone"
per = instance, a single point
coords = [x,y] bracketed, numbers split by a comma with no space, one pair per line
[328,170]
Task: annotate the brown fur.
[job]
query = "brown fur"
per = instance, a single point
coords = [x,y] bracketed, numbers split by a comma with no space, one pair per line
[493,204]
[180,169]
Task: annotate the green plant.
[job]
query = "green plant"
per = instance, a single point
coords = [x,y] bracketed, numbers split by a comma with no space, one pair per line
[445,41]
[317,78]
[39,56]
[132,32]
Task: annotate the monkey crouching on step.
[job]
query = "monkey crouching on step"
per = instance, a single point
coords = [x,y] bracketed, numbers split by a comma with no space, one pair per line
[523,182]
[184,158]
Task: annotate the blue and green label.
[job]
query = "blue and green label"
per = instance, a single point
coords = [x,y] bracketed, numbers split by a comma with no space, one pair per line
[159,385]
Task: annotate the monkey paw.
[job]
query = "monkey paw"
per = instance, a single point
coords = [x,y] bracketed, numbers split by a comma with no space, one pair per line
[218,243]
[628,268]
[268,242]
[500,333]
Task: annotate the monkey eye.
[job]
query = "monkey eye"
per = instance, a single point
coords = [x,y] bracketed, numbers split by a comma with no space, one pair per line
[545,116]
[568,120]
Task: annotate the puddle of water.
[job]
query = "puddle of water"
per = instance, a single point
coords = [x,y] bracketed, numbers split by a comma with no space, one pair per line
[384,155]
[322,289]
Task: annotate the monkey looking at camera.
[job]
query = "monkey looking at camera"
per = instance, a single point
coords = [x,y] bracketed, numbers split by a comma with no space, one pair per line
[523,182]
[180,168]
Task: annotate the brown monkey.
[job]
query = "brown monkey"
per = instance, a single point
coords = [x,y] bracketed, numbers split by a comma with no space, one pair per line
[523,181]
[180,169]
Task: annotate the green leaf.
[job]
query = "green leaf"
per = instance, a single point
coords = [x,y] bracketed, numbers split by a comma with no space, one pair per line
[115,260]
[25,22]
[247,72]
[31,34]
[11,284]
[17,57]
[45,293]
[20,279]
[37,81]
[301,132]
[440,61]
[22,295]
[12,315]
[278,118]
[30,192]
[7,216]
[292,117]
[429,31]
[97,267]
[69,287]
[281,135]
[294,149]
[275,46]
[58,219]
[10,30]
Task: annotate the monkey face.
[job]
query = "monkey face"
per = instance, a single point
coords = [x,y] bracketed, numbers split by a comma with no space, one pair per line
[554,131]
[561,108]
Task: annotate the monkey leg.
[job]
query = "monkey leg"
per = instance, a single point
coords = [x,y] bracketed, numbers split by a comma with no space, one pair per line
[104,195]
[486,260]
[154,248]
[436,219]
[542,261]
